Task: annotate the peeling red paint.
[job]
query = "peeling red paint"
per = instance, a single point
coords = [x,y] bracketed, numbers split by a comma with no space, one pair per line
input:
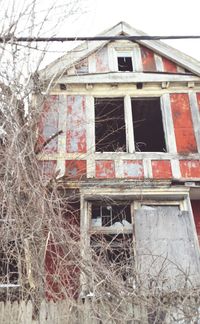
[76,124]
[196,212]
[183,126]
[161,169]
[75,169]
[148,60]
[169,66]
[105,169]
[62,274]
[101,57]
[190,168]
[48,124]
[133,169]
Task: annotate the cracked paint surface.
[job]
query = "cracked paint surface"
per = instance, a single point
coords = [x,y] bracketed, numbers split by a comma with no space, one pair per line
[161,169]
[190,168]
[105,169]
[169,66]
[48,125]
[183,126]
[76,124]
[101,57]
[148,60]
[133,169]
[75,169]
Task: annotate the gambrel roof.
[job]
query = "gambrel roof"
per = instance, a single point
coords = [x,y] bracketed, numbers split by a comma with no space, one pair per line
[58,67]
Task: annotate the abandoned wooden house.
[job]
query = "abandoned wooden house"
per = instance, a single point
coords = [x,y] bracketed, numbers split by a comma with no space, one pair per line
[128,117]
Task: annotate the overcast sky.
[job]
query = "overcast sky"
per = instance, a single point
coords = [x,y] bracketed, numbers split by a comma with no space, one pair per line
[155,17]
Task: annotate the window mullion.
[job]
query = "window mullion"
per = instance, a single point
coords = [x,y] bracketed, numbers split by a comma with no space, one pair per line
[130,144]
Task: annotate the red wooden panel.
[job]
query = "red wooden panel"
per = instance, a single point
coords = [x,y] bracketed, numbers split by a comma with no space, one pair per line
[62,273]
[196,212]
[76,124]
[190,168]
[48,125]
[101,57]
[161,169]
[105,169]
[183,126]
[133,169]
[148,60]
[169,66]
[75,169]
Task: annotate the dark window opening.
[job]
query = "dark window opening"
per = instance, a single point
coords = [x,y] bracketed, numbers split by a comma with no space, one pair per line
[117,215]
[148,125]
[110,133]
[116,252]
[125,64]
[9,264]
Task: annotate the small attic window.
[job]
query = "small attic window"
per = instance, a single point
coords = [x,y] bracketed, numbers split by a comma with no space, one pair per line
[125,64]
[125,61]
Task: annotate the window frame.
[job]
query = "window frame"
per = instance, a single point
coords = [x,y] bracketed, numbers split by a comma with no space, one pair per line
[125,54]
[164,197]
[168,132]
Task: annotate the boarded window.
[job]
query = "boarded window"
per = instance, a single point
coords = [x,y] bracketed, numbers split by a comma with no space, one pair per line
[165,246]
[148,125]
[110,125]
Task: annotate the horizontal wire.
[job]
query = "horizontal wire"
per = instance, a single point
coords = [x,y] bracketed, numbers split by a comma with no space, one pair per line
[12,39]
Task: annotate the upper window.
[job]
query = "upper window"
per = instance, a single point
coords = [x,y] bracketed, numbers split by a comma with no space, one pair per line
[112,125]
[148,125]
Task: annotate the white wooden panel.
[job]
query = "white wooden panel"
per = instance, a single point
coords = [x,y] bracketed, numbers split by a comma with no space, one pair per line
[176,172]
[159,63]
[137,59]
[168,123]
[90,120]
[195,117]
[130,145]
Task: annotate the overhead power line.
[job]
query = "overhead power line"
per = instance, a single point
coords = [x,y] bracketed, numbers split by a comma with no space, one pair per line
[10,39]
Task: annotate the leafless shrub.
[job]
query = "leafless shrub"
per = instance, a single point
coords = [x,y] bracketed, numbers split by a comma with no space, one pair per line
[40,245]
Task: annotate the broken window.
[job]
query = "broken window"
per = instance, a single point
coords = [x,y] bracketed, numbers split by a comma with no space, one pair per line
[148,125]
[110,133]
[111,236]
[106,215]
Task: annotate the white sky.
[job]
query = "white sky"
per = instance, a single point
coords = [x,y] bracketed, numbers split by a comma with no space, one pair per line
[155,17]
